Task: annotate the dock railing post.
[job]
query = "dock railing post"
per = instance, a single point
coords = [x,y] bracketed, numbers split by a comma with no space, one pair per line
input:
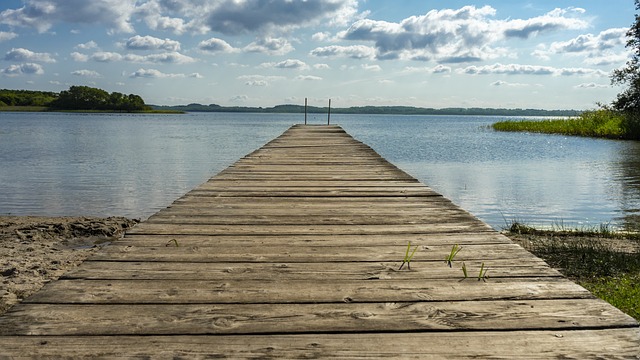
[329,113]
[305,111]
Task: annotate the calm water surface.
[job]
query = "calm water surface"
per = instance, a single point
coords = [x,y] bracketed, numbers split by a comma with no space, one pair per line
[135,165]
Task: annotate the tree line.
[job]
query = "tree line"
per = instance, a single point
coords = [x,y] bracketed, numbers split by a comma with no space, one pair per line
[76,98]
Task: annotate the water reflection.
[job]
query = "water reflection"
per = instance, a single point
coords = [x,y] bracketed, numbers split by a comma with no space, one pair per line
[134,165]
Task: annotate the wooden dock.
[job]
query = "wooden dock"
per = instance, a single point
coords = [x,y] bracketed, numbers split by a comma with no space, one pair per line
[294,252]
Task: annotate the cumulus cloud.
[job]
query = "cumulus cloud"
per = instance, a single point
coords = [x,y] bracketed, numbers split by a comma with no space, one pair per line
[236,17]
[321,66]
[43,14]
[500,83]
[232,17]
[438,69]
[292,64]
[454,35]
[259,80]
[370,67]
[105,56]
[308,78]
[270,46]
[589,43]
[353,51]
[153,74]
[86,73]
[76,56]
[5,36]
[215,45]
[23,69]
[164,58]
[558,19]
[321,36]
[21,54]
[518,69]
[591,86]
[152,43]
[87,46]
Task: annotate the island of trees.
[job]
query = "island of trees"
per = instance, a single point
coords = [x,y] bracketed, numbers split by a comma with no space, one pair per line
[80,98]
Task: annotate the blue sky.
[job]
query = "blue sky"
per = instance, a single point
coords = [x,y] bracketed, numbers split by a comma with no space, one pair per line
[532,54]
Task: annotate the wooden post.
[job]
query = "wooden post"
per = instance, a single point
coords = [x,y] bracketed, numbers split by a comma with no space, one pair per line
[305,111]
[329,113]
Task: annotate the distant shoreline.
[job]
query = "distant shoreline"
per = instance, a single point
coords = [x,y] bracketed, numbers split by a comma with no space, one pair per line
[370,110]
[297,109]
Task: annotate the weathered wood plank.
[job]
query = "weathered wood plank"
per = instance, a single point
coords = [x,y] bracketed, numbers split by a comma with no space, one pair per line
[117,270]
[158,319]
[192,229]
[295,292]
[261,253]
[500,345]
[269,219]
[397,240]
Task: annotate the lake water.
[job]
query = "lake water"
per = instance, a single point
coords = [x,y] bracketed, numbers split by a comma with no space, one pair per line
[134,165]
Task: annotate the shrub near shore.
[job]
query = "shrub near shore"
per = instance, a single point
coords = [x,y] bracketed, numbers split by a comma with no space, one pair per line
[597,123]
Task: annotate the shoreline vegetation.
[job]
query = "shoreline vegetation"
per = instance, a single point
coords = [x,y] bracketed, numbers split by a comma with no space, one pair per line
[602,260]
[602,123]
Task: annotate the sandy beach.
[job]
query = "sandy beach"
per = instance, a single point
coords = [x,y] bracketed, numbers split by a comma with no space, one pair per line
[36,250]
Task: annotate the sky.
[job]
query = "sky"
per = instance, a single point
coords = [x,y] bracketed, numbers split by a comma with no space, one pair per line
[504,54]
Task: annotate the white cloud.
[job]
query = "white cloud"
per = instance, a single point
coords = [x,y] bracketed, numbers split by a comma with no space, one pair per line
[308,78]
[43,14]
[76,56]
[86,73]
[153,74]
[510,84]
[452,36]
[5,36]
[21,54]
[105,56]
[239,99]
[87,46]
[588,43]
[558,19]
[322,67]
[292,64]
[438,69]
[232,17]
[23,69]
[353,51]
[215,45]
[196,76]
[236,17]
[152,43]
[164,58]
[370,67]
[270,46]
[517,69]
[321,36]
[592,86]
[259,80]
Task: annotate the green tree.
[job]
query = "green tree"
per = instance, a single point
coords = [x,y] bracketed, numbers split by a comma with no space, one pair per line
[628,101]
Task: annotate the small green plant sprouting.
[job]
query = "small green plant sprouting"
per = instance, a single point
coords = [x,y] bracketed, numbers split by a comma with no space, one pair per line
[175,242]
[483,273]
[454,251]
[464,270]
[407,257]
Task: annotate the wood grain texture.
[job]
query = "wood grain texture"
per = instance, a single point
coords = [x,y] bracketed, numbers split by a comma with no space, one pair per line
[295,252]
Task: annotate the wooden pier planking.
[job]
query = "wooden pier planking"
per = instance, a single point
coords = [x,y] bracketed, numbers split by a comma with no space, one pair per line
[293,252]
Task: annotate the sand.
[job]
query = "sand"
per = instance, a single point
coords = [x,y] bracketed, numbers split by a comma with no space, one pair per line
[37,250]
